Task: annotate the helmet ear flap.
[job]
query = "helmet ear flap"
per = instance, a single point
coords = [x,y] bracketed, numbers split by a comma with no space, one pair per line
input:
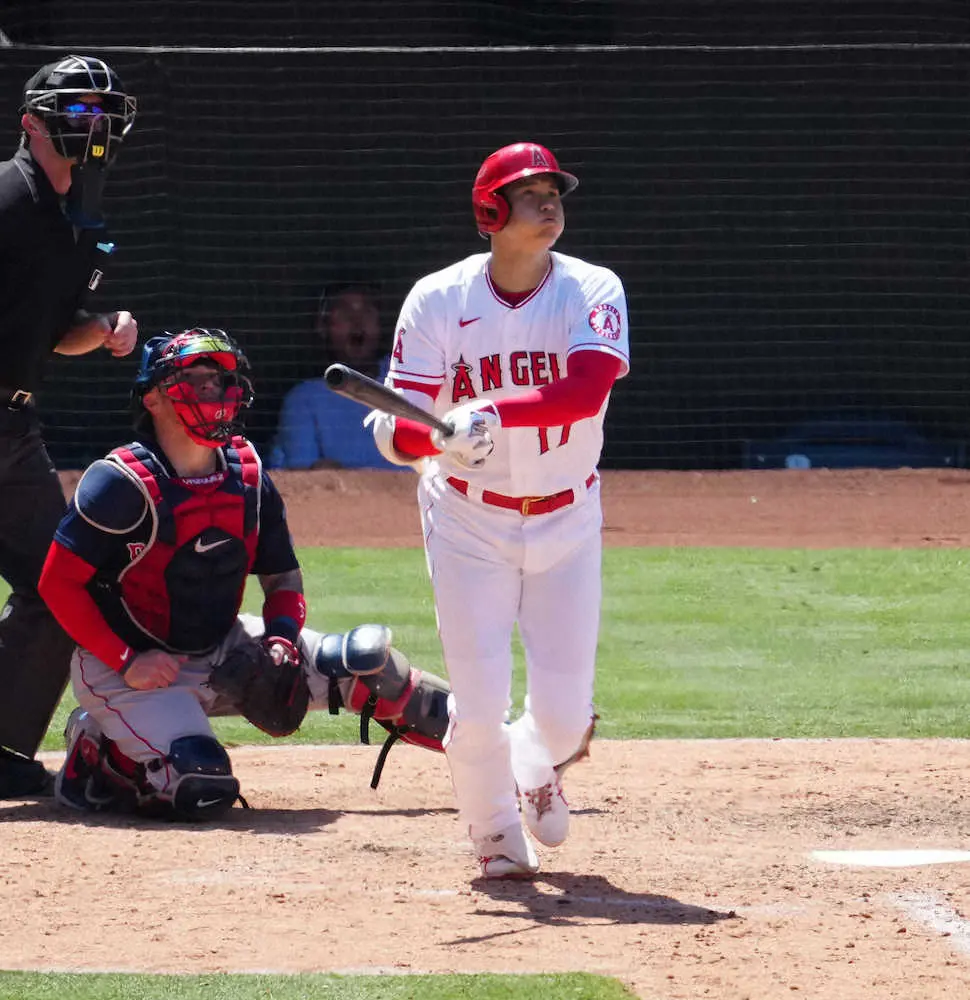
[492,211]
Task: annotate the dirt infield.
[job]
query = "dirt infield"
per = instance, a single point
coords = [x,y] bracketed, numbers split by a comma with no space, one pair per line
[690,872]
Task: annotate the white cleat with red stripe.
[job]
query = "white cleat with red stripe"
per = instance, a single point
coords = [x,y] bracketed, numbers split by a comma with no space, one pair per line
[507,854]
[546,812]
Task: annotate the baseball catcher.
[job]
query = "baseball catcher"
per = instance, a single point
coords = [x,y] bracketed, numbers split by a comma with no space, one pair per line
[147,572]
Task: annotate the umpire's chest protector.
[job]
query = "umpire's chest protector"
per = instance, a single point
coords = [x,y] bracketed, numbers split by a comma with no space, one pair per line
[183,589]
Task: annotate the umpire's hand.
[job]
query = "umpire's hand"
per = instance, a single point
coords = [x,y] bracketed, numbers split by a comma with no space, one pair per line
[153,669]
[123,336]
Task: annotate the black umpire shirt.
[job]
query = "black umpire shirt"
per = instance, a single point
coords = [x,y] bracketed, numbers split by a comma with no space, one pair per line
[47,268]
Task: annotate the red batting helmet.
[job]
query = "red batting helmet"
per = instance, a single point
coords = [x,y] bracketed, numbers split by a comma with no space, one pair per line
[521,159]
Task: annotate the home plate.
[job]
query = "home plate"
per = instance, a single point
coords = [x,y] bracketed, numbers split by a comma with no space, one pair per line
[891,859]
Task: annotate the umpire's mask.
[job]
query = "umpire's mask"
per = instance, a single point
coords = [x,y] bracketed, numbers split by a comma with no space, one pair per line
[87,113]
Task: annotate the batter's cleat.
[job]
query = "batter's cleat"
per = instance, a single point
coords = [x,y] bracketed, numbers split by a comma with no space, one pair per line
[80,783]
[546,812]
[507,854]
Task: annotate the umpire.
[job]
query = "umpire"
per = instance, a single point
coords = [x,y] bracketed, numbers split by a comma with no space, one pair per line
[53,252]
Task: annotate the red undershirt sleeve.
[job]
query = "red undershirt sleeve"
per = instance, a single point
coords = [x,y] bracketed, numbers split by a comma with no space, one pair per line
[63,586]
[412,438]
[589,377]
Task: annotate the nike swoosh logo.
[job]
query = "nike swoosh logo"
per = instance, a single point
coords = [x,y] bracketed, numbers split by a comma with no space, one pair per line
[200,548]
[467,322]
[202,803]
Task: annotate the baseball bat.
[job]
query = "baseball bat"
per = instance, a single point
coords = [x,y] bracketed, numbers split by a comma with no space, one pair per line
[367,391]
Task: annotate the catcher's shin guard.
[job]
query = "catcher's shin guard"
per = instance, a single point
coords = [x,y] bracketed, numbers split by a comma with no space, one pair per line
[378,682]
[203,787]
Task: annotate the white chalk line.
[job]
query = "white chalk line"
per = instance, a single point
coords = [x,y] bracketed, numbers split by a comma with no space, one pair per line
[894,858]
[934,913]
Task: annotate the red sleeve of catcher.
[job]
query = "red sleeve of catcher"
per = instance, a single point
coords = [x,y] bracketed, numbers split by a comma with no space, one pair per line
[589,377]
[284,614]
[63,586]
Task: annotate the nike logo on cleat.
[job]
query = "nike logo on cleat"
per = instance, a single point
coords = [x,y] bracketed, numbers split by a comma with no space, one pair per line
[468,322]
[200,548]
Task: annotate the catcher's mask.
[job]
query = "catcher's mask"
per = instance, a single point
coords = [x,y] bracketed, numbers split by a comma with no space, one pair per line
[505,165]
[87,114]
[209,404]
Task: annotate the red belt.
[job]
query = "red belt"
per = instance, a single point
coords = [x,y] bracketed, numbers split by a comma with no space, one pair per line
[526,506]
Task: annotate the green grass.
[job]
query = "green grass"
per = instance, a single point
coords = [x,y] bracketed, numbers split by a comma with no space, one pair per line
[708,642]
[51,986]
[761,643]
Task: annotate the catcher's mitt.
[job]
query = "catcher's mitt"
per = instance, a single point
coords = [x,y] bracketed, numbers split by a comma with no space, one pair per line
[273,697]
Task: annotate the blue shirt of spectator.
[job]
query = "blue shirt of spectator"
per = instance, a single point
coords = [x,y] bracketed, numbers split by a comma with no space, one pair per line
[318,428]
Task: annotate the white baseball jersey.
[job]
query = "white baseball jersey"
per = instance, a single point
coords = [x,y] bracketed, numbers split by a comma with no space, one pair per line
[456,336]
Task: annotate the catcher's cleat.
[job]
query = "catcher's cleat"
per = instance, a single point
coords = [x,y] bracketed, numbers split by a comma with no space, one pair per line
[81,784]
[546,812]
[507,854]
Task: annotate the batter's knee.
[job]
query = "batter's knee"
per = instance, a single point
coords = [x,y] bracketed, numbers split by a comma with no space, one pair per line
[203,787]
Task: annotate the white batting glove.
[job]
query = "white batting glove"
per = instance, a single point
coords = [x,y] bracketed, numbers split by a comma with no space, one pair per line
[471,442]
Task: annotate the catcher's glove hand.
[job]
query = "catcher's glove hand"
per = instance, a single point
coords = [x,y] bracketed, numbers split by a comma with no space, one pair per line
[267,683]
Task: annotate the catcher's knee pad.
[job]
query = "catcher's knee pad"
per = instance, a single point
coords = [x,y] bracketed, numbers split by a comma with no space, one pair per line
[204,787]
[328,659]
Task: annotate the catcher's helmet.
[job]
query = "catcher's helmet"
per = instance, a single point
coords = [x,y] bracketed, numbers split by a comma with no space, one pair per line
[521,159]
[167,362]
[83,104]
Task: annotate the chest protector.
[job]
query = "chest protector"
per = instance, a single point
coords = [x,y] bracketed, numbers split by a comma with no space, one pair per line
[182,588]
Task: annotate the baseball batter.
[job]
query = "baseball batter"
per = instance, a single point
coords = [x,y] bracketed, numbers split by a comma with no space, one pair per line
[517,350]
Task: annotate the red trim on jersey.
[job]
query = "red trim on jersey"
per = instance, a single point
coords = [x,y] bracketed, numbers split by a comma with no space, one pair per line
[63,586]
[399,380]
[589,377]
[515,300]
[412,438]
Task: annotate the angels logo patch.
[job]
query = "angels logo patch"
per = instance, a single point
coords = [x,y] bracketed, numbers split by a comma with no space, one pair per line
[604,320]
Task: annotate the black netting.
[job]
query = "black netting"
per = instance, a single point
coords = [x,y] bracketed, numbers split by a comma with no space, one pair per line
[484,22]
[790,222]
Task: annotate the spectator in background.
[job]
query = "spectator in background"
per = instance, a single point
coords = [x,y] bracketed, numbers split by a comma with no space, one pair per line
[317,428]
